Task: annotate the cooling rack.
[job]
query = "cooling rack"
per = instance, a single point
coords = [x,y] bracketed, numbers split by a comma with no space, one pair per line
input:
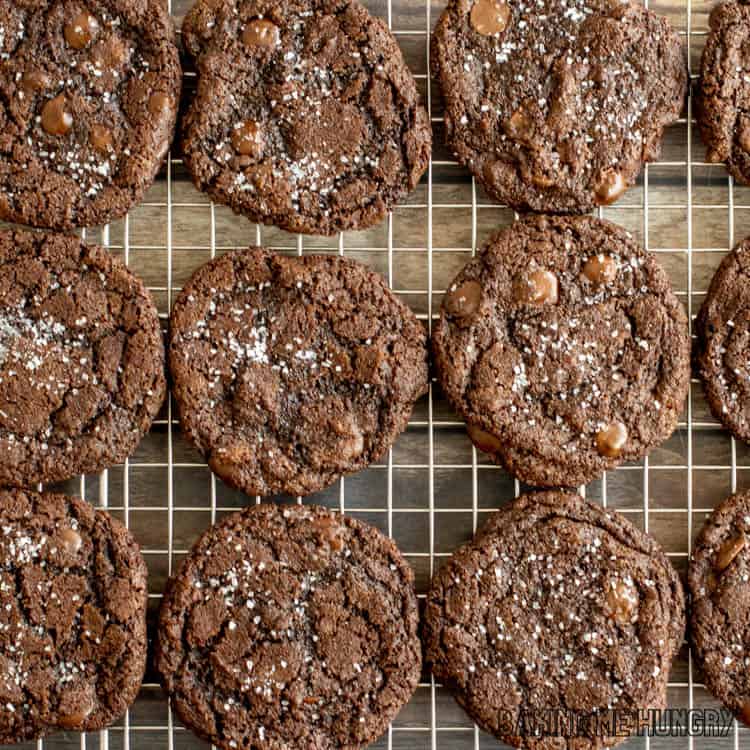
[433,489]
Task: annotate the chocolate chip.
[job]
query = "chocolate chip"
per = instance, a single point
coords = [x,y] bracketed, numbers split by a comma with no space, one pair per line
[159,104]
[611,439]
[519,125]
[744,134]
[34,80]
[729,550]
[483,440]
[330,533]
[81,30]
[464,300]
[537,288]
[600,269]
[489,17]
[100,137]
[261,33]
[621,601]
[56,118]
[247,139]
[542,180]
[82,709]
[70,540]
[610,188]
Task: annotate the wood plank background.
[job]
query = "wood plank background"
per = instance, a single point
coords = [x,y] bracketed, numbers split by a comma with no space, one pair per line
[433,489]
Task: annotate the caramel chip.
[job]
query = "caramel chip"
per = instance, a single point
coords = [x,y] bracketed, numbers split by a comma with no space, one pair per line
[611,440]
[729,550]
[247,139]
[489,17]
[610,188]
[56,119]
[600,269]
[464,300]
[261,33]
[537,288]
[81,30]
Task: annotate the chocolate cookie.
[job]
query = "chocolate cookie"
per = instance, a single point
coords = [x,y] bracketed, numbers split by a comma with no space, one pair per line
[290,626]
[724,93]
[72,616]
[564,348]
[720,594]
[90,90]
[555,105]
[558,605]
[291,371]
[306,115]
[81,359]
[723,342]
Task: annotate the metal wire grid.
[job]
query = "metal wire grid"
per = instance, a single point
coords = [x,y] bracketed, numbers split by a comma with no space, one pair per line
[438,460]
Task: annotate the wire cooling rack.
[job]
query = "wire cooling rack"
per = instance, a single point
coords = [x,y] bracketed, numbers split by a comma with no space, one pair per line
[433,489]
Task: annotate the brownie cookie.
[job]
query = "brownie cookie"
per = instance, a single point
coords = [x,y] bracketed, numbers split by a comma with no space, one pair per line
[291,371]
[720,594]
[89,92]
[81,359]
[554,105]
[306,115]
[564,348]
[723,342]
[723,100]
[290,626]
[72,616]
[557,605]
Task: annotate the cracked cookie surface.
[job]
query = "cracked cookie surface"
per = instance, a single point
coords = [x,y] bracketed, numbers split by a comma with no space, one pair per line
[555,105]
[88,102]
[564,348]
[722,352]
[723,98]
[720,602]
[306,115]
[558,604]
[72,616]
[290,626]
[81,359]
[291,371]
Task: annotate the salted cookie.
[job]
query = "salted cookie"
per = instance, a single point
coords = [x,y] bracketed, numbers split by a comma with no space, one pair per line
[558,605]
[722,350]
[724,93]
[90,90]
[555,105]
[290,626]
[306,115]
[291,371]
[720,594]
[72,616]
[81,359]
[564,348]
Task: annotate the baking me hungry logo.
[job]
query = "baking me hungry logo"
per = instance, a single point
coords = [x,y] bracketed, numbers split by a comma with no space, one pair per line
[673,722]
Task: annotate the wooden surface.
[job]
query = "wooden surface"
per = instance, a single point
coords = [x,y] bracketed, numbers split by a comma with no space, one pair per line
[434,489]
